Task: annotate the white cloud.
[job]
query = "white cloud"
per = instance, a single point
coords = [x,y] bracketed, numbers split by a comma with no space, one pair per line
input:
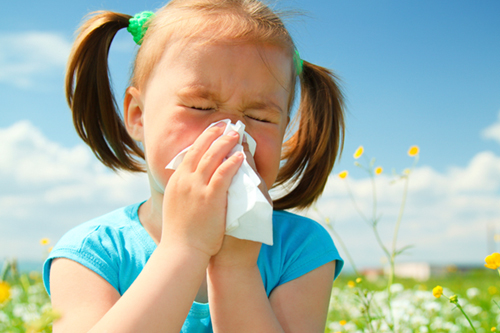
[492,132]
[446,216]
[26,55]
[46,189]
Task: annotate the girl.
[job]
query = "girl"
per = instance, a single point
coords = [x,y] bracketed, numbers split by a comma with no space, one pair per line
[154,266]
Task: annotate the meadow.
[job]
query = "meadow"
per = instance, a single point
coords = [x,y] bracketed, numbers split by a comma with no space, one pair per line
[357,305]
[452,301]
[362,306]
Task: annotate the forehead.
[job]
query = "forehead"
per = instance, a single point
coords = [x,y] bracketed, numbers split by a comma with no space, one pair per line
[213,65]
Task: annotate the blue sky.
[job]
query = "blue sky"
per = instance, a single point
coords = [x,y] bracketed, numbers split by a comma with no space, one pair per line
[421,73]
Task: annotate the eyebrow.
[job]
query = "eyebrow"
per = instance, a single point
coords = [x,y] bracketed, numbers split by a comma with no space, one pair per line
[264,105]
[204,93]
[196,92]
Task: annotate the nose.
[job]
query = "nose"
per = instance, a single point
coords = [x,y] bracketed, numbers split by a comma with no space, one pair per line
[234,116]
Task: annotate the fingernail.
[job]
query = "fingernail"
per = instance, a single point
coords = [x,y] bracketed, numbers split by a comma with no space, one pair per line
[233,133]
[244,138]
[220,124]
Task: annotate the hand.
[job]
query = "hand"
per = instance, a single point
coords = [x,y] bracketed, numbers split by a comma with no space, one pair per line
[235,252]
[195,199]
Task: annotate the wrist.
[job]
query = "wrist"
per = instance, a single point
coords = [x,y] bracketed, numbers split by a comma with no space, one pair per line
[236,271]
[187,254]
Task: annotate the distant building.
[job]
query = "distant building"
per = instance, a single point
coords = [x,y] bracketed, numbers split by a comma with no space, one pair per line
[420,271]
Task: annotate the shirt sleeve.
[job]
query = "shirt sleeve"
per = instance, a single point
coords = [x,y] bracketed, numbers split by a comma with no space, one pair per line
[92,246]
[305,246]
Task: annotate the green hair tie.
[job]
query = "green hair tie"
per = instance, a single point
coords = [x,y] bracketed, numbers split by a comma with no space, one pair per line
[299,63]
[137,25]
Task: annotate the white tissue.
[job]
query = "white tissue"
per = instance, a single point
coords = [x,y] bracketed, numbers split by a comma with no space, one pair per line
[249,215]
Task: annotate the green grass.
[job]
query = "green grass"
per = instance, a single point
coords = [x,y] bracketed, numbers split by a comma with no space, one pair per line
[413,306]
[28,307]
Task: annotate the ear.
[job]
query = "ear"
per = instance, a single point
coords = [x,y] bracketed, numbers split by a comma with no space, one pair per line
[133,109]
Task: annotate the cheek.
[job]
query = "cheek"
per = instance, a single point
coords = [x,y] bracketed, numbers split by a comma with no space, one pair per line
[162,143]
[267,160]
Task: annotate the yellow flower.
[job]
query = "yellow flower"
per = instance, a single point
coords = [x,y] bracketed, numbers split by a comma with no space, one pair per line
[44,241]
[454,299]
[358,280]
[407,171]
[342,322]
[378,170]
[492,290]
[451,268]
[492,261]
[413,151]
[343,174]
[4,291]
[437,291]
[351,284]
[493,329]
[359,152]
[50,249]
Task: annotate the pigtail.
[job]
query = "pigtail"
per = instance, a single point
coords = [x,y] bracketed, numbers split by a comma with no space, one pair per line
[311,152]
[88,91]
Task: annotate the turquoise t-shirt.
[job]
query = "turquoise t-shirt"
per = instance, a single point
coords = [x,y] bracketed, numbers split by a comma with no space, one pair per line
[116,246]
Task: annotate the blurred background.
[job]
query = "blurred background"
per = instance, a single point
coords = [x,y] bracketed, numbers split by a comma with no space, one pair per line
[420,73]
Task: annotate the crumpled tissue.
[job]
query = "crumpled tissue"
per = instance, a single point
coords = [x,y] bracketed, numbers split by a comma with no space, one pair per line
[249,215]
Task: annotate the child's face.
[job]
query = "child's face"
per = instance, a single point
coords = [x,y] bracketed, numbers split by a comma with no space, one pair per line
[196,84]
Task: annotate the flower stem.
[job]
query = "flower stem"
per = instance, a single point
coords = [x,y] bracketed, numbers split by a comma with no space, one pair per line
[496,304]
[339,239]
[355,204]
[467,317]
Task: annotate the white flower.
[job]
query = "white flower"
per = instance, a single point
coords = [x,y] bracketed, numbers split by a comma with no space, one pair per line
[432,306]
[472,292]
[419,320]
[3,317]
[15,293]
[472,310]
[397,288]
[437,324]
[451,327]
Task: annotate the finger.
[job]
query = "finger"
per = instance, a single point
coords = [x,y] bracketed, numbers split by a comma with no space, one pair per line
[223,175]
[216,154]
[201,145]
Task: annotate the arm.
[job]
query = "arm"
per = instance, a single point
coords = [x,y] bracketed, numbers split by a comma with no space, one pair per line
[160,298]
[193,224]
[238,301]
[301,305]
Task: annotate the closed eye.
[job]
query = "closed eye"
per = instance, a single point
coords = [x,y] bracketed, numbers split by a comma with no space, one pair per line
[258,119]
[200,108]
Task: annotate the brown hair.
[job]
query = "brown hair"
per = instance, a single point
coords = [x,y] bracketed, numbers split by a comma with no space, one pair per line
[310,152]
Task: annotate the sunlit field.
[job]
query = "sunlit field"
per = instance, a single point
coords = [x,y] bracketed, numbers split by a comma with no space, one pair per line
[357,305]
[452,299]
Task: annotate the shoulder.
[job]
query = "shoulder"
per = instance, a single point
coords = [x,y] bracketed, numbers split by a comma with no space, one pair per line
[300,246]
[292,229]
[99,244]
[102,230]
